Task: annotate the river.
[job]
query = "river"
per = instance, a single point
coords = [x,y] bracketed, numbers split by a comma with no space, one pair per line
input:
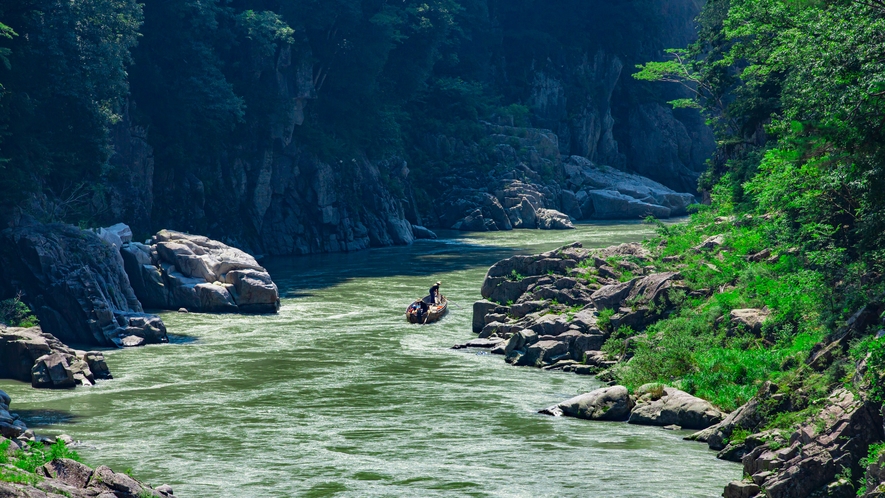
[338,396]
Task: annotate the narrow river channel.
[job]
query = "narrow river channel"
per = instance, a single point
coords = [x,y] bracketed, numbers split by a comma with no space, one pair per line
[338,396]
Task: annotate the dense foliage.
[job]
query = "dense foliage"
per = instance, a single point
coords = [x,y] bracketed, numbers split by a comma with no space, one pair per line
[796,93]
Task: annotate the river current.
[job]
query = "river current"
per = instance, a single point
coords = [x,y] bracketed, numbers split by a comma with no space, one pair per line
[338,396]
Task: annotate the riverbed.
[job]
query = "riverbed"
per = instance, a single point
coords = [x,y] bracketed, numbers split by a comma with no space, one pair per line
[338,396]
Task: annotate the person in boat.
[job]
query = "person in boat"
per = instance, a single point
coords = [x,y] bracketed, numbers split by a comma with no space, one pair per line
[434,293]
[419,307]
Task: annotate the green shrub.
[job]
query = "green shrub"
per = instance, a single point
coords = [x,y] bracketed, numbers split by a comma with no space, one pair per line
[604,318]
[15,313]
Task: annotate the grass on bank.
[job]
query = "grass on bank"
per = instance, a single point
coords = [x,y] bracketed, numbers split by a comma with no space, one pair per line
[20,466]
[698,350]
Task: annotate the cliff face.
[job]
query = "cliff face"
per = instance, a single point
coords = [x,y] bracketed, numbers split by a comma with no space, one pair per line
[267,192]
[599,112]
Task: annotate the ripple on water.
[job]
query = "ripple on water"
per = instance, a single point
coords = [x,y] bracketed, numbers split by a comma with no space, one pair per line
[337,396]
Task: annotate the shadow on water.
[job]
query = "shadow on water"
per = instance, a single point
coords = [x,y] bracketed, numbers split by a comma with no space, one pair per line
[296,276]
[181,338]
[42,418]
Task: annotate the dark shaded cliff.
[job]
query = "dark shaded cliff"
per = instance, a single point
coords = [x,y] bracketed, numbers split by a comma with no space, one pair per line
[298,127]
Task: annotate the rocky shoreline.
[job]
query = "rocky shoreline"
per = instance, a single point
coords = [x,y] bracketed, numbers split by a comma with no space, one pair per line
[86,287]
[55,476]
[563,310]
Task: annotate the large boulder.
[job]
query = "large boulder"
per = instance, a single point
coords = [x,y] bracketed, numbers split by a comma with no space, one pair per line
[676,407]
[31,355]
[750,320]
[179,270]
[615,194]
[610,403]
[551,219]
[76,284]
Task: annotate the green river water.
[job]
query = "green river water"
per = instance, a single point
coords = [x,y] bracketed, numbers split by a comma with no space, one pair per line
[338,396]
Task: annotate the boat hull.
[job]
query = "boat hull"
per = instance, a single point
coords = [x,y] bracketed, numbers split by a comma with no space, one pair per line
[434,314]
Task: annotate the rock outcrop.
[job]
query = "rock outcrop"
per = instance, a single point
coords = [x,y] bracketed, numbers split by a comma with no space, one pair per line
[31,355]
[812,458]
[76,284]
[518,195]
[179,270]
[651,405]
[546,307]
[72,479]
[675,407]
[606,193]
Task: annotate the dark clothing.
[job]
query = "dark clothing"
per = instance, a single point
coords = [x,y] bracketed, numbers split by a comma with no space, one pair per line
[434,294]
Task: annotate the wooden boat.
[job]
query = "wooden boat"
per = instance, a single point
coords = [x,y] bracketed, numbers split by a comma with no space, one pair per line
[434,313]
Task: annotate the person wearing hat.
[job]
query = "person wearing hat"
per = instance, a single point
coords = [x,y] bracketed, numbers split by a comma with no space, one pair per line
[434,293]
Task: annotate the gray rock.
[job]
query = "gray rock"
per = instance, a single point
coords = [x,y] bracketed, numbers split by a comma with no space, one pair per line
[75,283]
[68,471]
[611,403]
[741,489]
[750,320]
[473,222]
[481,343]
[544,352]
[710,243]
[165,489]
[613,205]
[199,274]
[495,211]
[611,296]
[550,219]
[480,310]
[31,355]
[815,457]
[571,204]
[615,194]
[676,407]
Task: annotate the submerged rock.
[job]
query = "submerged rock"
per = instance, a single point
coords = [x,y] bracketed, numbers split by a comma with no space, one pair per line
[198,274]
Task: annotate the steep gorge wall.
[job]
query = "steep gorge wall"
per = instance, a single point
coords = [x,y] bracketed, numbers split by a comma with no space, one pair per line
[268,193]
[599,112]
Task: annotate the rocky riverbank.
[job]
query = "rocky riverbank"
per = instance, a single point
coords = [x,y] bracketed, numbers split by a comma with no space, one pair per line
[41,467]
[87,287]
[590,311]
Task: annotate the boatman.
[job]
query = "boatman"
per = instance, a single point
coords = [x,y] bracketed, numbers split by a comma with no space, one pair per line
[434,293]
